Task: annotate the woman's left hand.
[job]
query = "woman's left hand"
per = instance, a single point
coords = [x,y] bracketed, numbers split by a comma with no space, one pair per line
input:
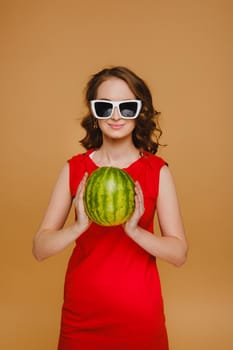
[82,219]
[131,225]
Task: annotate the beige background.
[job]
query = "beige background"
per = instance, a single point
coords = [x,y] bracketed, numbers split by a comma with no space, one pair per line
[183,49]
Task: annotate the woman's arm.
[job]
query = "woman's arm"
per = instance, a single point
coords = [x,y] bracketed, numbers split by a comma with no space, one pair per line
[172,245]
[51,237]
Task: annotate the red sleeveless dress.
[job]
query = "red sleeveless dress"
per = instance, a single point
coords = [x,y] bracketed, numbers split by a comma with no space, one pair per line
[112,294]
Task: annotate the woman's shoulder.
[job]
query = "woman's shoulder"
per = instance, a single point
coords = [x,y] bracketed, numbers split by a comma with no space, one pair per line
[78,165]
[80,157]
[154,159]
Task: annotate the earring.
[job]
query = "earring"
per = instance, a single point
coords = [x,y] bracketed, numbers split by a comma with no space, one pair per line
[95,124]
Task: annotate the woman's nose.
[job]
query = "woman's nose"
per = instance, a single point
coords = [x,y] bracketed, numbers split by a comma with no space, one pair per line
[116,115]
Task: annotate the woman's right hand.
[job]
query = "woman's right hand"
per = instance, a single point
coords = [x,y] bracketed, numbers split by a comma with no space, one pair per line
[52,237]
[83,220]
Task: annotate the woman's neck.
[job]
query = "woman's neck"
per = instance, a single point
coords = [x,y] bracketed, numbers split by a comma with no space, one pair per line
[119,154]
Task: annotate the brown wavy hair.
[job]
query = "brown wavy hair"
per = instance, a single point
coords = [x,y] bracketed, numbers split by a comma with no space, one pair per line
[146,133]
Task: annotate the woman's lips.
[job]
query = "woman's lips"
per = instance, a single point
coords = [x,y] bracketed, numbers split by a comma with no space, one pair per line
[116,126]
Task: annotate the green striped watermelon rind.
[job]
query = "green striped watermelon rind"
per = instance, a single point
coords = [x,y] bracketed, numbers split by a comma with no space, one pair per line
[109,196]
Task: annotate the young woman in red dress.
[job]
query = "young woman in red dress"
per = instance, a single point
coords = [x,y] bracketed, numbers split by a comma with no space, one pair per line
[112,294]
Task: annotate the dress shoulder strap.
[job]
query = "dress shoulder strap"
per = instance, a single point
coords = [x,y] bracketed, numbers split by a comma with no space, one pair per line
[77,169]
[152,167]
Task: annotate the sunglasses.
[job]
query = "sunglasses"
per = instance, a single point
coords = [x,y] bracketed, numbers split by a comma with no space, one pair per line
[128,109]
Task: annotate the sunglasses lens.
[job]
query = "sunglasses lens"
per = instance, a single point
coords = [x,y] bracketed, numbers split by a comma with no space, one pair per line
[128,109]
[103,109]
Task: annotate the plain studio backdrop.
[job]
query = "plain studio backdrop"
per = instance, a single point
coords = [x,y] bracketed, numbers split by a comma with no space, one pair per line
[183,50]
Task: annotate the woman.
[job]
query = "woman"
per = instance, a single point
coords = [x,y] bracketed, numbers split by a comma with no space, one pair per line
[112,296]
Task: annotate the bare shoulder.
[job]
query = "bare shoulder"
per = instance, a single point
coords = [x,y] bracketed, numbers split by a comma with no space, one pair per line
[168,206]
[166,180]
[60,201]
[63,177]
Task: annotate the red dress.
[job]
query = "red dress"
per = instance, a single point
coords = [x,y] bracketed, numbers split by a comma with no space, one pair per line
[112,294]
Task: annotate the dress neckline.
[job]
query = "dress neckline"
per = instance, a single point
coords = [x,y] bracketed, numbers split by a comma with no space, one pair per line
[96,166]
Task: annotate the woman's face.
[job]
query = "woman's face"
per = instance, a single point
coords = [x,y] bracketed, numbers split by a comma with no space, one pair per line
[115,89]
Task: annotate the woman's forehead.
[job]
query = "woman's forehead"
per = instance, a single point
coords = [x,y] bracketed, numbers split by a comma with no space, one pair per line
[114,89]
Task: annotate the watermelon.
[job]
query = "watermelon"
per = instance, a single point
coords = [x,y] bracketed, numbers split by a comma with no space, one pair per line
[109,196]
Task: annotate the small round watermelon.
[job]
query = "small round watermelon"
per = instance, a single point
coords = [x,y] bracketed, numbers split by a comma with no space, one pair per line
[109,196]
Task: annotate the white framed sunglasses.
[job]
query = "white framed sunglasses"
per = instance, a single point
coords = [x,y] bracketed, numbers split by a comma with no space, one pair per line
[128,109]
